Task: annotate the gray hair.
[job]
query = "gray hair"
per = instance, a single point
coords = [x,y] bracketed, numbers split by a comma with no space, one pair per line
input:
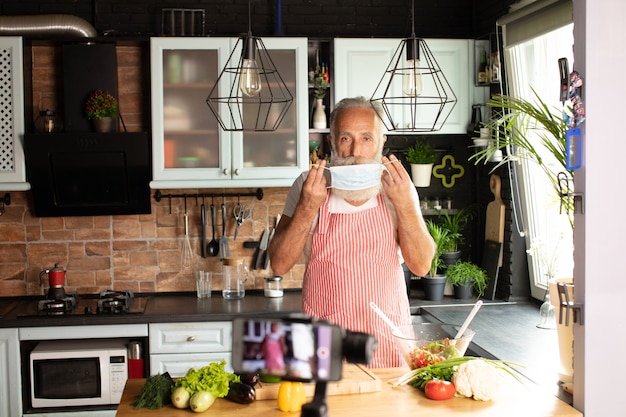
[356,102]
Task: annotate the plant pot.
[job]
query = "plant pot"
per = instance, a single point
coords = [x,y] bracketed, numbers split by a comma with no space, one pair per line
[434,287]
[105,125]
[421,174]
[450,258]
[463,292]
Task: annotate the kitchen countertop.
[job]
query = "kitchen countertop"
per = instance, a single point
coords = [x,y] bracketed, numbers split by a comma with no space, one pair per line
[513,399]
[159,308]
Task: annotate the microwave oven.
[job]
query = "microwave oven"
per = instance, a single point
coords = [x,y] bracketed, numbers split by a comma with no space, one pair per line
[77,373]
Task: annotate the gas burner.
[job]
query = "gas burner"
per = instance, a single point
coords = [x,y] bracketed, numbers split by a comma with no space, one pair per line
[115,301]
[58,306]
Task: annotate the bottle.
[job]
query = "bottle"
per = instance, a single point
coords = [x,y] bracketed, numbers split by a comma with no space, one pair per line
[483,69]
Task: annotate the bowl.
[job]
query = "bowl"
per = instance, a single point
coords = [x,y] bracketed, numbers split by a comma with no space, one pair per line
[423,344]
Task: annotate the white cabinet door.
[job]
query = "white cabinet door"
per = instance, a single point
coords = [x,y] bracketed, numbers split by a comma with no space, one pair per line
[10,389]
[359,65]
[190,150]
[178,365]
[12,163]
[190,337]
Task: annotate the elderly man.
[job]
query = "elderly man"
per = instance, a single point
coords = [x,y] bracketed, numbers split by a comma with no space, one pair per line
[356,227]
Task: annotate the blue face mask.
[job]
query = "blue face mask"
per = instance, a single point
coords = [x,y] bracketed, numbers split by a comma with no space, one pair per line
[355,177]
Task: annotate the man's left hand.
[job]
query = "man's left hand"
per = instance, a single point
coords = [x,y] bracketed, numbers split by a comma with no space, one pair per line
[396,181]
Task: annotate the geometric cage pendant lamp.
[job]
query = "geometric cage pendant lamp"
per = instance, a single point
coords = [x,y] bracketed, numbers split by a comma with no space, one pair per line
[414,93]
[258,98]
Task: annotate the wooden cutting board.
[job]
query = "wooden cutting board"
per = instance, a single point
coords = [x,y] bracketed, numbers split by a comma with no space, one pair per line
[356,379]
[494,221]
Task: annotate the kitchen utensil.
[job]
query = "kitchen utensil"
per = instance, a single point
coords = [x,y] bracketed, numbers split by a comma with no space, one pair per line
[258,263]
[494,223]
[56,276]
[213,247]
[203,220]
[266,262]
[187,253]
[224,248]
[241,213]
[469,319]
[235,276]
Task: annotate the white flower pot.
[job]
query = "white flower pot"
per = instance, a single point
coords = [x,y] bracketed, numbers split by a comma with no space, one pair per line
[420,174]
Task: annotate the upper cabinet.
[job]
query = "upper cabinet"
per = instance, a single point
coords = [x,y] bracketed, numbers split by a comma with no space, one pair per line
[359,65]
[190,150]
[12,164]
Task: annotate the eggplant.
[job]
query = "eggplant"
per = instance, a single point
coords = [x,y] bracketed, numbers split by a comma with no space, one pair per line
[250,379]
[241,393]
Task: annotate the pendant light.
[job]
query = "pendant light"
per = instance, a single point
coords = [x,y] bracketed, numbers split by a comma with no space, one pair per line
[414,93]
[258,98]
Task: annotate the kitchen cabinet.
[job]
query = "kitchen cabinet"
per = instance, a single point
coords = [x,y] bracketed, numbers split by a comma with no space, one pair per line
[359,65]
[177,347]
[12,162]
[10,389]
[190,150]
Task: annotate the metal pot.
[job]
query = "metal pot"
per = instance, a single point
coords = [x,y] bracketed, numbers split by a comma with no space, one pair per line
[56,276]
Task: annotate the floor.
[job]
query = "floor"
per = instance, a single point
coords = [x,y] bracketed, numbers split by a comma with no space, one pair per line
[507,331]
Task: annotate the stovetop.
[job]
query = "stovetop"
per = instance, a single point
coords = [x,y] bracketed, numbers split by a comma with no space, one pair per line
[73,304]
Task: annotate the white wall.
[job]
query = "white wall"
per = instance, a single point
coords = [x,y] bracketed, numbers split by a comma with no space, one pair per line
[600,273]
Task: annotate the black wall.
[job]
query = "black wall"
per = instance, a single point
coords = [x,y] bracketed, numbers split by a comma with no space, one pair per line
[468,19]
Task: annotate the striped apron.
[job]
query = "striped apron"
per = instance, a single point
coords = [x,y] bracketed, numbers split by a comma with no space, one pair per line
[354,261]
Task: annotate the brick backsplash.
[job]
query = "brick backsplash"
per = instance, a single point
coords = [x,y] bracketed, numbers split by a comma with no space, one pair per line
[142,253]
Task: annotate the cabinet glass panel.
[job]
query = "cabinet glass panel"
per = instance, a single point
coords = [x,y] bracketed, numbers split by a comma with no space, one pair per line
[278,148]
[190,131]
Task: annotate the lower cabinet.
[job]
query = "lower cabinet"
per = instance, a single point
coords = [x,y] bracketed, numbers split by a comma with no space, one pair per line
[177,347]
[10,395]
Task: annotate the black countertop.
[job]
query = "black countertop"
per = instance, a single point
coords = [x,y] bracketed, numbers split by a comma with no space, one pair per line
[16,312]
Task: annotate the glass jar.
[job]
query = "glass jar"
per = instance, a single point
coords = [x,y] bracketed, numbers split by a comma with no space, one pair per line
[273,287]
[48,122]
[235,276]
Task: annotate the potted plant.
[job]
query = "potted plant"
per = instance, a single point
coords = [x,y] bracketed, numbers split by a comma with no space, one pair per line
[320,85]
[421,156]
[434,283]
[465,276]
[102,109]
[454,224]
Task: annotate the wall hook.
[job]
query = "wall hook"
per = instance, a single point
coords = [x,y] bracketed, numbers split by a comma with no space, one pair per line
[6,201]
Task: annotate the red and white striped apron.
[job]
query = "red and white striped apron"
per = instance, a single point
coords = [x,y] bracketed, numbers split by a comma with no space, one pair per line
[354,261]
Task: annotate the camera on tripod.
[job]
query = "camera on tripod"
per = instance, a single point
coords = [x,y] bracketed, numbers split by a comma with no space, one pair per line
[297,348]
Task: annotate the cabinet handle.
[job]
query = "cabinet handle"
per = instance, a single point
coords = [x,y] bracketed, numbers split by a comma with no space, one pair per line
[191,338]
[236,171]
[225,172]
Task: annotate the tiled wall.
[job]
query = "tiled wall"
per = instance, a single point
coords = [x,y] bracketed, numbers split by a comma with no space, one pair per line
[138,252]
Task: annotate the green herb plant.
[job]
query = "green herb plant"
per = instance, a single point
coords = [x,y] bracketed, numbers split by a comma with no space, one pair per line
[156,392]
[454,224]
[211,378]
[420,153]
[441,238]
[466,272]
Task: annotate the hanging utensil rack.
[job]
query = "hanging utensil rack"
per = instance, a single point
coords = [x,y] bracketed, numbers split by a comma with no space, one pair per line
[158,195]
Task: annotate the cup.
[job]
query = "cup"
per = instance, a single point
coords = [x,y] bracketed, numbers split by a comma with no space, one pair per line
[203,284]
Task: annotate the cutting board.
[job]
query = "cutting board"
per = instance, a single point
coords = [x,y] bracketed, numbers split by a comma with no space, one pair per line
[356,379]
[494,221]
[491,254]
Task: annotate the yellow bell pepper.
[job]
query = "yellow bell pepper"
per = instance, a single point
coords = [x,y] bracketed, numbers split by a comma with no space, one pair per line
[291,396]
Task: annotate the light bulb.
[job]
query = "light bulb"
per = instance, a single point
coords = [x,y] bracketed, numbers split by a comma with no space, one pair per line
[250,80]
[412,79]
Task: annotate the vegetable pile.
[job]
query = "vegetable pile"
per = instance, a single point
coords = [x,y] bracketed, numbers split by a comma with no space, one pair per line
[198,389]
[434,352]
[470,377]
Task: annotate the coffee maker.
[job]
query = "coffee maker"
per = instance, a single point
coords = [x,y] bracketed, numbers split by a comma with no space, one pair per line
[57,300]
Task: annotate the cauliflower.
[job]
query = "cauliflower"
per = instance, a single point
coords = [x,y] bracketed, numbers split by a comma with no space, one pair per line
[477,378]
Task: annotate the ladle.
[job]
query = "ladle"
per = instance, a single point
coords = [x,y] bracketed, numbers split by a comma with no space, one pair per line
[213,247]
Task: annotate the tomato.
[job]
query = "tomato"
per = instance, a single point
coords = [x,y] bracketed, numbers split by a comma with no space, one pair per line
[436,389]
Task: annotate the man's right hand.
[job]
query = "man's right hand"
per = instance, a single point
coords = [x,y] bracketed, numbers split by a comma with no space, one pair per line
[314,188]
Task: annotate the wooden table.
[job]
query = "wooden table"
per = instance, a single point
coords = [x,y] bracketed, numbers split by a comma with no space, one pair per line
[514,399]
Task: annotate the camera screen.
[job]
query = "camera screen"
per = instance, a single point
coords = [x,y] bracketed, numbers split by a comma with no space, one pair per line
[293,350]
